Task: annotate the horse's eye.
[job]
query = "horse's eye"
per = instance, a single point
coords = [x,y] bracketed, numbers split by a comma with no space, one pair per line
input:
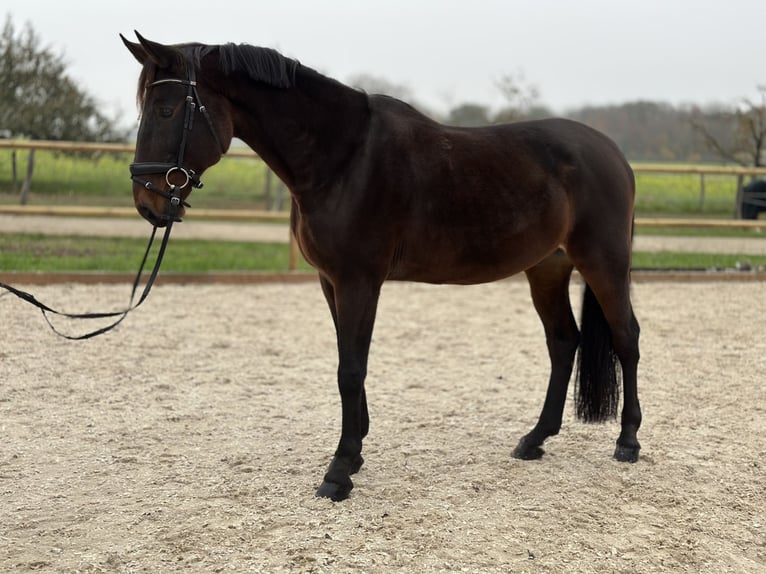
[166,112]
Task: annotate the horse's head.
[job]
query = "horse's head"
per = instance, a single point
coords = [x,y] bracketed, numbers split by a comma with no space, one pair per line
[185,128]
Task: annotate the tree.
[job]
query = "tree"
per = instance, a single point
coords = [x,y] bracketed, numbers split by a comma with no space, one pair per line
[522,100]
[469,115]
[378,85]
[39,100]
[737,135]
[645,130]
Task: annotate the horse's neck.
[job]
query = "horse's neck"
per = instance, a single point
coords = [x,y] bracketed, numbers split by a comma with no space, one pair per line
[305,133]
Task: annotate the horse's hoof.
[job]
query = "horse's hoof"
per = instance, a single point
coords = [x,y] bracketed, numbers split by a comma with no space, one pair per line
[626,453]
[333,491]
[525,451]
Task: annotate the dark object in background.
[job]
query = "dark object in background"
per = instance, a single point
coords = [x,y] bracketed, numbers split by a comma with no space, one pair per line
[753,199]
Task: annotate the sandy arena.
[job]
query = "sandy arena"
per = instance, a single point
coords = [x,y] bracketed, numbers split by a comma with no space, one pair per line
[192,438]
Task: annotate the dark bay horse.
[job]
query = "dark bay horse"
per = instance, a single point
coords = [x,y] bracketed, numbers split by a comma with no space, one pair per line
[380,192]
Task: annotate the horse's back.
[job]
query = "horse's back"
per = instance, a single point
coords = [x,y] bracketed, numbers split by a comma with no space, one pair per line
[526,154]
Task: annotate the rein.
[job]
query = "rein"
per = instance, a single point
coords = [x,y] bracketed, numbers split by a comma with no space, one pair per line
[45,309]
[174,203]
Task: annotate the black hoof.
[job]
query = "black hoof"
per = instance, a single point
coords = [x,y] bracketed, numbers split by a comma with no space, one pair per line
[333,491]
[337,483]
[526,451]
[626,453]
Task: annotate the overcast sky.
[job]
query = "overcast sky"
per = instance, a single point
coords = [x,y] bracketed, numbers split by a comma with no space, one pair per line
[445,51]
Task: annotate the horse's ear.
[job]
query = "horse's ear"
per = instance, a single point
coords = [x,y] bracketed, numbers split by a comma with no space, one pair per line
[138,52]
[163,56]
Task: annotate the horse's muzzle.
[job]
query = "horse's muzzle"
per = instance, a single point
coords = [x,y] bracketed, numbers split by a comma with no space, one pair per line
[151,217]
[159,205]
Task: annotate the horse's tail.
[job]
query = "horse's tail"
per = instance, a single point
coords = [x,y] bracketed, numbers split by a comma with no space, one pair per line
[597,385]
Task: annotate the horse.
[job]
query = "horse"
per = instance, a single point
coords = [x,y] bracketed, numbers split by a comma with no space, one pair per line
[381,192]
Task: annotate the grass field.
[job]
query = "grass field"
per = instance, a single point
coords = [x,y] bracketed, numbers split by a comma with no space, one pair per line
[37,252]
[679,195]
[64,179]
[56,253]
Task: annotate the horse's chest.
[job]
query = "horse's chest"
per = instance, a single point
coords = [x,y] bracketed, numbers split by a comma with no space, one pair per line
[306,240]
[318,242]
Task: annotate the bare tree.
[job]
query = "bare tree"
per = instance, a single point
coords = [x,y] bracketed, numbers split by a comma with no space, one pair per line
[522,100]
[737,135]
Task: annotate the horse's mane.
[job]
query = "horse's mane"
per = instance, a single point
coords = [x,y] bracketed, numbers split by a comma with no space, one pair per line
[260,64]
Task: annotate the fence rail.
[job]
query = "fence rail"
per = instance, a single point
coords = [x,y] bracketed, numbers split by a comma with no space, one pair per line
[284,216]
[247,153]
[97,211]
[95,147]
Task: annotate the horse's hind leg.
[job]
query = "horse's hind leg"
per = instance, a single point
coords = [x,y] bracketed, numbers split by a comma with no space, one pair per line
[549,284]
[609,279]
[618,312]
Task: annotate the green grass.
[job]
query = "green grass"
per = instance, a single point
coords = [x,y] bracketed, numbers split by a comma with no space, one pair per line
[675,260]
[36,252]
[59,175]
[65,179]
[56,253]
[749,233]
[659,194]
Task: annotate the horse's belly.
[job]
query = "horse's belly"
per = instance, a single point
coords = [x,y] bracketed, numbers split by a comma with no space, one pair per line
[467,266]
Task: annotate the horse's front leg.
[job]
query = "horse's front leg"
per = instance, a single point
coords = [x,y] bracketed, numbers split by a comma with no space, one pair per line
[353,304]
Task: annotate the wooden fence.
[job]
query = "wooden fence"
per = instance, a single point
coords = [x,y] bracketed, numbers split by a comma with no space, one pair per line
[701,170]
[246,152]
[95,147]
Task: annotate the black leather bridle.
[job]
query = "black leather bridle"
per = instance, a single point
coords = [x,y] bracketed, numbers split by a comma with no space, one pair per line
[139,169]
[174,198]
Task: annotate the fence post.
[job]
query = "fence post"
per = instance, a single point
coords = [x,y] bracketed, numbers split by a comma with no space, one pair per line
[267,190]
[279,199]
[739,198]
[28,179]
[292,264]
[14,174]
[702,191]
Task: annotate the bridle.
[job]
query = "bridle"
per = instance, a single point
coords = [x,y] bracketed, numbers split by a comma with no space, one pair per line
[175,201]
[139,169]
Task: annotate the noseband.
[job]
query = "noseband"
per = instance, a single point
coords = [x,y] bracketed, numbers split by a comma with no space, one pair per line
[139,169]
